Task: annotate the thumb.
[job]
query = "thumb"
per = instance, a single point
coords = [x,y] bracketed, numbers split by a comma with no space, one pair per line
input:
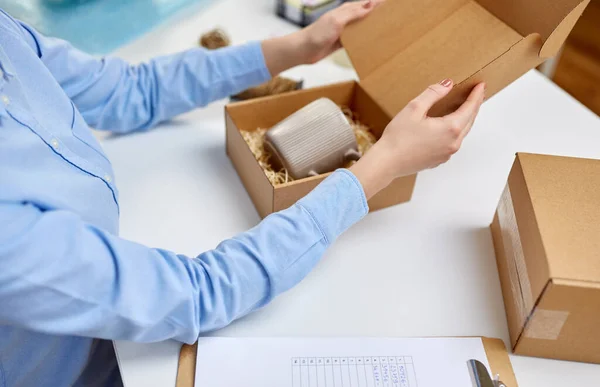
[422,103]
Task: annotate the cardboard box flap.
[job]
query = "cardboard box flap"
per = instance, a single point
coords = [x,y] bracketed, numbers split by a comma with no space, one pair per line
[397,52]
[406,45]
[521,58]
[566,203]
[391,28]
[553,20]
[556,39]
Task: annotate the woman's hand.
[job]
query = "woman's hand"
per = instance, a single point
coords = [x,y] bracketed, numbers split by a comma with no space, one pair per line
[413,141]
[316,41]
[322,38]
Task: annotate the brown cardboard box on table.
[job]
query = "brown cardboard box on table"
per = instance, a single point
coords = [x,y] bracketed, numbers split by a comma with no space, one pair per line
[546,235]
[400,49]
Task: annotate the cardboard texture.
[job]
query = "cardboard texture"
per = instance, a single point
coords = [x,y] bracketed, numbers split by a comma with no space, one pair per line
[406,45]
[545,234]
[267,198]
[494,349]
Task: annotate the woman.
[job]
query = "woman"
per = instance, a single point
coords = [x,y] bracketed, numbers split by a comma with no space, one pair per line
[69,284]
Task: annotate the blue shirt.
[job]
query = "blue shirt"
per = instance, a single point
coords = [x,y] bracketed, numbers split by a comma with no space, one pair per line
[68,282]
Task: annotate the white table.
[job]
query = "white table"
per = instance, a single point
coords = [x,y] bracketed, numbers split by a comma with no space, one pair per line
[437,273]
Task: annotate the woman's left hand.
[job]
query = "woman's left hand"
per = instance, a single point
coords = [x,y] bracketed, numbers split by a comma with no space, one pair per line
[322,38]
[316,41]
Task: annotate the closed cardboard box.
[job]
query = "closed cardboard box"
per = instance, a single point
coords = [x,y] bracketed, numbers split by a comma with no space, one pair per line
[400,49]
[546,235]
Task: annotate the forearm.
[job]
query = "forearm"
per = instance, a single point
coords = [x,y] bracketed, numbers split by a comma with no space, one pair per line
[285,246]
[165,87]
[61,276]
[373,170]
[149,93]
[251,269]
[285,52]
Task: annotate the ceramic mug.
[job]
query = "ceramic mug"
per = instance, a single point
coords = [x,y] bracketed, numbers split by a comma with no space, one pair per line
[314,140]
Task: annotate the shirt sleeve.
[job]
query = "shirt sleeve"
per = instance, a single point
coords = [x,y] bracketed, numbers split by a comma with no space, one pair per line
[114,95]
[59,275]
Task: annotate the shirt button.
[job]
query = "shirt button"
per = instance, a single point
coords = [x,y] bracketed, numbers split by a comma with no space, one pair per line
[54,143]
[5,99]
[107,178]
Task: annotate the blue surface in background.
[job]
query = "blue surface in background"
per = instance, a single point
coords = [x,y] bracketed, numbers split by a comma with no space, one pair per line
[96,26]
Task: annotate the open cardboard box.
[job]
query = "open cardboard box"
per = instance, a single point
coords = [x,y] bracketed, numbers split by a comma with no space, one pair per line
[266,112]
[397,51]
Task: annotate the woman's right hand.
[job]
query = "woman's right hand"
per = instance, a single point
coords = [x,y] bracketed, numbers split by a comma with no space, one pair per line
[413,141]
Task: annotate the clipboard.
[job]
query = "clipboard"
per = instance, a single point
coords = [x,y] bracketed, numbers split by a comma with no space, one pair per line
[495,351]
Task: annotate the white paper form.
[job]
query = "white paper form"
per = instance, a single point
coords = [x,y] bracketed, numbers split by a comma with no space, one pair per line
[337,362]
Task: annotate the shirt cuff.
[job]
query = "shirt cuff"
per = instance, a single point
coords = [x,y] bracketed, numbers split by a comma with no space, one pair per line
[336,204]
[257,60]
[245,63]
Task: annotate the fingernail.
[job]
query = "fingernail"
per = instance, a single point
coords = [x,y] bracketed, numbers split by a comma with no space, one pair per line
[446,82]
[368,4]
